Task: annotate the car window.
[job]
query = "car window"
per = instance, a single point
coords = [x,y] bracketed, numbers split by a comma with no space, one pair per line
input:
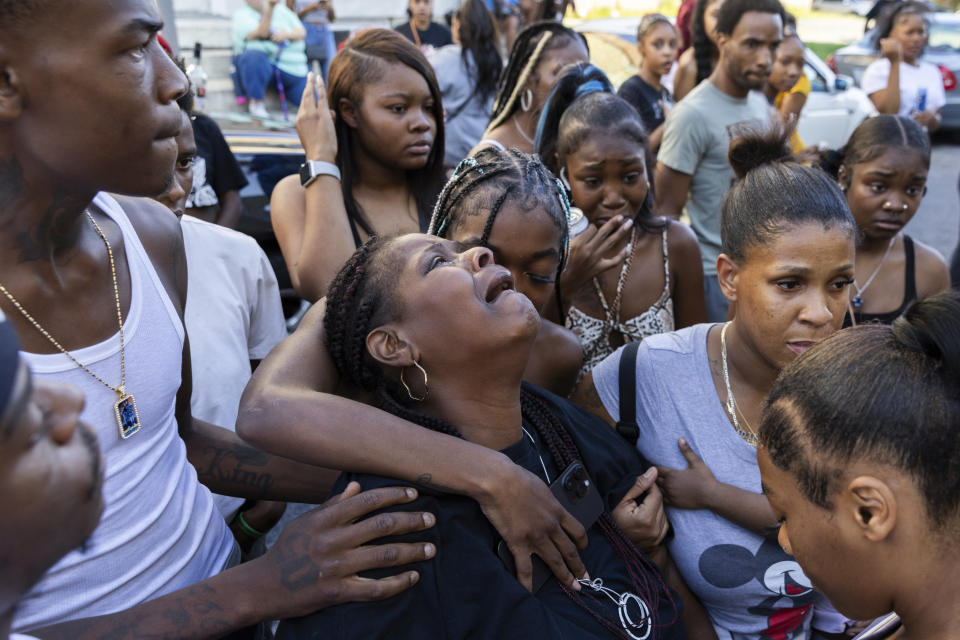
[817,81]
[944,37]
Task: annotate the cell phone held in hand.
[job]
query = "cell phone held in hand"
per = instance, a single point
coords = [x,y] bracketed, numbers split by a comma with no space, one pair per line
[576,492]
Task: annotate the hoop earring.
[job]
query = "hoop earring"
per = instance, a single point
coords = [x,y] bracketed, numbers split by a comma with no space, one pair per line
[563,179]
[526,100]
[426,387]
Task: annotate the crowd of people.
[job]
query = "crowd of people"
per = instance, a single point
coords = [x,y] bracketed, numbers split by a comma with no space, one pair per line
[530,399]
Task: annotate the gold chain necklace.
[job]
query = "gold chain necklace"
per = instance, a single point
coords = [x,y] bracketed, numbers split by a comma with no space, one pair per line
[125,408]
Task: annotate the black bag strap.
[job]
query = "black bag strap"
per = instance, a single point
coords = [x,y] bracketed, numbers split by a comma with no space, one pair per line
[627,424]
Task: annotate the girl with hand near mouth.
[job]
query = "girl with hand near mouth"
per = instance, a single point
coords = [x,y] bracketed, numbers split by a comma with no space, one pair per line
[595,141]
[657,41]
[374,144]
[787,261]
[899,82]
[883,172]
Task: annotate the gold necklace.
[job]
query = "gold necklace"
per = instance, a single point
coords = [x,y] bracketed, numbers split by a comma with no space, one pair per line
[731,405]
[125,408]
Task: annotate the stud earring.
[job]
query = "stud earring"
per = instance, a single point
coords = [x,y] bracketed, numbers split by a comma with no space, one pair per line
[425,386]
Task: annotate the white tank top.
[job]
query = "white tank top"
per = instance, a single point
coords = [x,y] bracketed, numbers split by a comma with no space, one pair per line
[160,531]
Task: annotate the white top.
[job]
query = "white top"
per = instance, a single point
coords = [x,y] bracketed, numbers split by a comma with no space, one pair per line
[913,78]
[233,316]
[159,531]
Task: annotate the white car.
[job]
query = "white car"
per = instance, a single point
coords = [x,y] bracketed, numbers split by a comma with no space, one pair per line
[833,109]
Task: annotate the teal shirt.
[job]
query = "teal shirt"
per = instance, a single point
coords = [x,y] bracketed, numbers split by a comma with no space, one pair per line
[293,60]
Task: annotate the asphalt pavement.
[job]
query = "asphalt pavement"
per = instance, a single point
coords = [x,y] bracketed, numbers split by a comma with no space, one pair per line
[937,222]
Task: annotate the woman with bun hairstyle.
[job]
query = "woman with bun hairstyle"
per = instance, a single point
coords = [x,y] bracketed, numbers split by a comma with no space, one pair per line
[858,451]
[596,143]
[787,261]
[883,172]
[697,63]
[540,54]
[376,136]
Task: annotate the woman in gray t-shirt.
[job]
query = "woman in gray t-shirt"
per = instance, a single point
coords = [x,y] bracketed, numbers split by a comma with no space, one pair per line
[787,260]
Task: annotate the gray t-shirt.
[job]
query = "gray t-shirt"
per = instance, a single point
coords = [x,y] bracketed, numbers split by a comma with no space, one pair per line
[749,586]
[696,139]
[467,113]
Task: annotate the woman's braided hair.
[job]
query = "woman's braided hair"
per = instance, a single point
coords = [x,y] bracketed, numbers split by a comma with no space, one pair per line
[484,182]
[527,50]
[360,298]
[705,51]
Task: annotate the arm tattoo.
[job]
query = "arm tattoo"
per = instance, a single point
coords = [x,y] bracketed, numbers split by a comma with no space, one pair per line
[425,480]
[239,467]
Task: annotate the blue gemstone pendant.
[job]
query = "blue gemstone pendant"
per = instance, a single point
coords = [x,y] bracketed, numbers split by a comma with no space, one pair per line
[857,301]
[128,419]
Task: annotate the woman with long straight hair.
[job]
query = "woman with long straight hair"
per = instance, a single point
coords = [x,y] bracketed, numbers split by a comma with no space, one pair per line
[375,158]
[468,73]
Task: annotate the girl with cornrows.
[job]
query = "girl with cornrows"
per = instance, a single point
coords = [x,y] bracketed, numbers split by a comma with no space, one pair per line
[698,62]
[865,486]
[596,143]
[438,335]
[374,148]
[787,261]
[540,54]
[883,172]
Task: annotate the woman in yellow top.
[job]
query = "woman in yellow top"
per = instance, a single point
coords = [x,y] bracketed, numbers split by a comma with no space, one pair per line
[787,87]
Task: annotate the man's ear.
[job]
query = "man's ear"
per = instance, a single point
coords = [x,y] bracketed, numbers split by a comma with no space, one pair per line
[11,104]
[388,347]
[873,506]
[348,111]
[722,40]
[728,275]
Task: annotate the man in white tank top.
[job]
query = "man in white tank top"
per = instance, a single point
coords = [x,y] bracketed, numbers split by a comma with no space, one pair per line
[95,288]
[40,437]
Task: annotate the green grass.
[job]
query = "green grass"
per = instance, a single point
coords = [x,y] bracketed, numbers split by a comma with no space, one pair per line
[824,49]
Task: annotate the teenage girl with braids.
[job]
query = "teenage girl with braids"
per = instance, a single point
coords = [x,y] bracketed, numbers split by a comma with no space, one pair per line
[787,261]
[697,63]
[384,131]
[865,486]
[599,148]
[510,203]
[437,334]
[883,172]
[539,55]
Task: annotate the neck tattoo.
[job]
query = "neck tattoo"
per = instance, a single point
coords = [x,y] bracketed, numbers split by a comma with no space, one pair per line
[125,408]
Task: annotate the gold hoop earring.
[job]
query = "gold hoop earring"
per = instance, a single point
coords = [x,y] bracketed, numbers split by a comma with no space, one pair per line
[425,385]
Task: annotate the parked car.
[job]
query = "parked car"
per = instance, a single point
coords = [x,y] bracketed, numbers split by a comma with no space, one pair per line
[856,7]
[943,50]
[833,110]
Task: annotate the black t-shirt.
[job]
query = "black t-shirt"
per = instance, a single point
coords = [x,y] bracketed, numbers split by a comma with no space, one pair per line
[436,35]
[646,100]
[216,170]
[466,592]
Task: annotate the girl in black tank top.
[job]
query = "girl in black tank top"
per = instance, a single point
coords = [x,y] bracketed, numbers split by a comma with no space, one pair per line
[883,172]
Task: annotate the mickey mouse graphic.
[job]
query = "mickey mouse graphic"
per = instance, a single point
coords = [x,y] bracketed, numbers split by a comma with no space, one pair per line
[728,566]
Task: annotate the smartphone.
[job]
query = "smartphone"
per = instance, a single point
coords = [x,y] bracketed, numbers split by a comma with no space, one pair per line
[575,491]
